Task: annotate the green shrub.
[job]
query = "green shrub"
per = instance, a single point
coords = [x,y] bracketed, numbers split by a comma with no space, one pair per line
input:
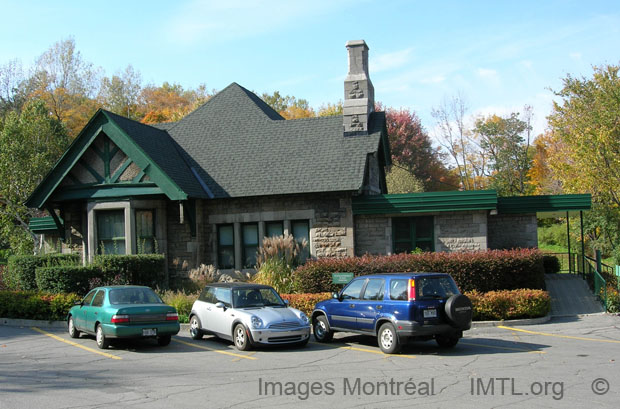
[66,279]
[20,273]
[551,264]
[613,300]
[512,304]
[305,302]
[181,301]
[35,305]
[483,270]
[137,269]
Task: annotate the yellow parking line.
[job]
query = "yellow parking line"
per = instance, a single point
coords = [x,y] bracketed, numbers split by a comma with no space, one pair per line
[530,351]
[219,351]
[559,336]
[75,344]
[372,351]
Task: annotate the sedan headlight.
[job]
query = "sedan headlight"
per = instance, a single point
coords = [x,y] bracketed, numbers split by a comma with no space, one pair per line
[256,322]
[304,318]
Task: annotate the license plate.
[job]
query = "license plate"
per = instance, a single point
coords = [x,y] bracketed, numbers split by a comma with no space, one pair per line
[430,313]
[149,332]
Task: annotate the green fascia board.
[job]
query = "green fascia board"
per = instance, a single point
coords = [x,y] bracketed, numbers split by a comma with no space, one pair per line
[107,191]
[544,204]
[426,202]
[100,122]
[43,225]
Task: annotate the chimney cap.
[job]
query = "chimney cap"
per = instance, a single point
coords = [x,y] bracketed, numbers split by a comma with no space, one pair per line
[355,43]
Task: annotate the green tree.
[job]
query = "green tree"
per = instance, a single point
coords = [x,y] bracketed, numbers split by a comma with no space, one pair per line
[287,106]
[505,141]
[400,180]
[31,141]
[121,92]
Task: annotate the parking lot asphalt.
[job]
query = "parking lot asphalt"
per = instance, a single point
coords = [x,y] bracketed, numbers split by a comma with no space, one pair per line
[567,361]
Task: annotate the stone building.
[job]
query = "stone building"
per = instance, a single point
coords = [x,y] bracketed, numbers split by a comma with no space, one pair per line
[207,188]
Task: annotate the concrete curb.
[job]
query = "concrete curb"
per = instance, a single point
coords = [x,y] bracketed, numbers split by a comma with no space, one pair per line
[16,322]
[527,321]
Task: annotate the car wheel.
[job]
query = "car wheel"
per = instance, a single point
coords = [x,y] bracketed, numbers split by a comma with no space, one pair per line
[195,330]
[102,341]
[447,341]
[320,326]
[164,340]
[388,339]
[241,338]
[73,332]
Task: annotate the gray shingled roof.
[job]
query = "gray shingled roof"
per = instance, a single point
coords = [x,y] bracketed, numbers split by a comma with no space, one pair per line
[163,150]
[242,147]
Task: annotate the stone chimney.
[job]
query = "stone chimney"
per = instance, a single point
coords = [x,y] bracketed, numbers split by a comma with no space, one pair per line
[359,94]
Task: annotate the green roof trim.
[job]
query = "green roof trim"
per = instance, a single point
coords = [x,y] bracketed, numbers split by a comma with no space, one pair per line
[544,204]
[453,201]
[43,225]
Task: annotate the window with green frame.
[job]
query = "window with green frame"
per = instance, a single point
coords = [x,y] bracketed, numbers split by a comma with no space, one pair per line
[410,233]
[145,231]
[111,231]
[301,231]
[249,237]
[226,246]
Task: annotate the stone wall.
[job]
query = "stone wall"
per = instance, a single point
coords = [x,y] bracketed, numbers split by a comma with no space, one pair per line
[329,215]
[460,231]
[373,235]
[512,231]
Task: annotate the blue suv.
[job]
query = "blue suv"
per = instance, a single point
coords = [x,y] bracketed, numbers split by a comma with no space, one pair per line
[396,308]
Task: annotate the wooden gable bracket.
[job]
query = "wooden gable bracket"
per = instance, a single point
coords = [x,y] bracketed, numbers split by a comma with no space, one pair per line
[59,225]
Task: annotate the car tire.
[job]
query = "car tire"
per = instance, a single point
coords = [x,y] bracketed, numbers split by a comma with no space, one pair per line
[447,341]
[102,341]
[388,339]
[73,332]
[459,311]
[164,340]
[321,330]
[241,338]
[195,328]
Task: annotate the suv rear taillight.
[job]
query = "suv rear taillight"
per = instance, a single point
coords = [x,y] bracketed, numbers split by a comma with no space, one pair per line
[411,289]
[118,319]
[172,316]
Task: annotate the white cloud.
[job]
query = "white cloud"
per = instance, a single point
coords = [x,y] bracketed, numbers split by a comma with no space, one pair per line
[390,61]
[575,56]
[435,79]
[486,73]
[526,63]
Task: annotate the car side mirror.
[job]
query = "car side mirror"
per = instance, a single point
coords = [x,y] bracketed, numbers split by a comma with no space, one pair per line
[78,303]
[336,296]
[220,305]
[286,302]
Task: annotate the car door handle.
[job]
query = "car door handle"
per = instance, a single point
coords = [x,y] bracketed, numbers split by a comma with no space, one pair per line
[208,308]
[352,305]
[379,307]
[95,313]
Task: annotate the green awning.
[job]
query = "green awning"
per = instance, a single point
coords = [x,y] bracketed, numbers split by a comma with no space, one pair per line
[43,225]
[545,205]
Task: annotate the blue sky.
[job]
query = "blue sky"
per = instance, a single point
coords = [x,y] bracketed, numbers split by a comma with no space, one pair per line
[499,55]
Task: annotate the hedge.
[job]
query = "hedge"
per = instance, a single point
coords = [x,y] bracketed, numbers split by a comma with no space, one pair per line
[66,279]
[305,302]
[482,271]
[36,305]
[513,304]
[551,264]
[138,269]
[20,274]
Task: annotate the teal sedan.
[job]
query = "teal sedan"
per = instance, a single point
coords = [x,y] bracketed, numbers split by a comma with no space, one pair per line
[126,311]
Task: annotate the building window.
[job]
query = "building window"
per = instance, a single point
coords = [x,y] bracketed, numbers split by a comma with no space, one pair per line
[301,231]
[226,246]
[249,237]
[411,233]
[274,229]
[111,231]
[145,231]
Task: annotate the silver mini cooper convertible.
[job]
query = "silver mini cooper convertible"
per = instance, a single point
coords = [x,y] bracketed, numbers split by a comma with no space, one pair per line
[248,315]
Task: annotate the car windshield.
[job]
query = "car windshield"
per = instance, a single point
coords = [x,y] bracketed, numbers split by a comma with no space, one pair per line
[134,296]
[436,287]
[256,297]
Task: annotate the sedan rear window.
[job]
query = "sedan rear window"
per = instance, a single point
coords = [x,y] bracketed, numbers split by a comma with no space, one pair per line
[134,296]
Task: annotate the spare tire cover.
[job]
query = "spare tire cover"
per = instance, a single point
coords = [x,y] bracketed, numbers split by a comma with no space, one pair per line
[459,311]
